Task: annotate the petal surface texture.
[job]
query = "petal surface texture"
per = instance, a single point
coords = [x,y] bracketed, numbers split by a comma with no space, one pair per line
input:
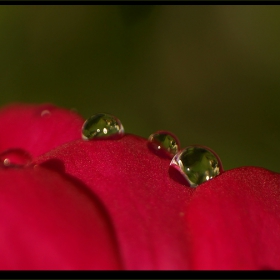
[144,203]
[233,221]
[49,222]
[37,128]
[110,204]
[229,222]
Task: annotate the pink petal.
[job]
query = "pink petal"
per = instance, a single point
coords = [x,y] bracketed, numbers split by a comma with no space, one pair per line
[230,222]
[50,221]
[37,128]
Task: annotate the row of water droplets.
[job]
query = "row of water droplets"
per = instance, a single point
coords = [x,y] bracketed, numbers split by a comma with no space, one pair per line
[196,164]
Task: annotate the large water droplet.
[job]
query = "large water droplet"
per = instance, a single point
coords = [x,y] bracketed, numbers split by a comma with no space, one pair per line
[197,164]
[163,143]
[15,158]
[102,126]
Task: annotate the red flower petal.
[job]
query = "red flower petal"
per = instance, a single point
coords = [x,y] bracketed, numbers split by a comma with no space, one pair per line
[48,221]
[37,128]
[233,221]
[230,222]
[144,203]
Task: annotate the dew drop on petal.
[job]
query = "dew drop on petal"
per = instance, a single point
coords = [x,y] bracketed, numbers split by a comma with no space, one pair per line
[45,110]
[163,143]
[45,113]
[197,164]
[15,158]
[102,126]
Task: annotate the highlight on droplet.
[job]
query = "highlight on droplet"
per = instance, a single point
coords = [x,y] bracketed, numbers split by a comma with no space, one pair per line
[15,157]
[164,143]
[197,164]
[101,126]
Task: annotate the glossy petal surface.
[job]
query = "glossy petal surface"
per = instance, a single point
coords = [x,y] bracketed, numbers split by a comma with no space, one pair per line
[37,128]
[49,221]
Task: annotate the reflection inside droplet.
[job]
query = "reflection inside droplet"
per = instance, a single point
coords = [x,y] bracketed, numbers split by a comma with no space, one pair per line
[197,164]
[163,143]
[102,126]
[15,158]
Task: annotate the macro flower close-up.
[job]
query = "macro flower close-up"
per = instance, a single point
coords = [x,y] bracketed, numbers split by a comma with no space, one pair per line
[139,137]
[112,203]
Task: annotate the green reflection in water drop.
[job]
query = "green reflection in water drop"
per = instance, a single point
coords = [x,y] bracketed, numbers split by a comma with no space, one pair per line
[164,142]
[197,164]
[102,126]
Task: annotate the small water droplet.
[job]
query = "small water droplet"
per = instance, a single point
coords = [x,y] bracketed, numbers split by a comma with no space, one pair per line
[164,143]
[197,164]
[45,113]
[44,110]
[102,126]
[15,158]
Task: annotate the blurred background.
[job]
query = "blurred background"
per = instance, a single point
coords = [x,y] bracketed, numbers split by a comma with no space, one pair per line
[209,74]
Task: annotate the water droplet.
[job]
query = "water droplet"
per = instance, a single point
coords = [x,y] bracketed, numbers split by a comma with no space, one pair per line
[15,158]
[45,113]
[197,164]
[102,126]
[163,143]
[45,110]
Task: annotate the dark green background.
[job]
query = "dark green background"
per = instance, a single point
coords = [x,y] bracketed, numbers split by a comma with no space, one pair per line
[209,74]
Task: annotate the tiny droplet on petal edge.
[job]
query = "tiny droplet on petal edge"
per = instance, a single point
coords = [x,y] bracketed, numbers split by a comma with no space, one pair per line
[15,157]
[45,113]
